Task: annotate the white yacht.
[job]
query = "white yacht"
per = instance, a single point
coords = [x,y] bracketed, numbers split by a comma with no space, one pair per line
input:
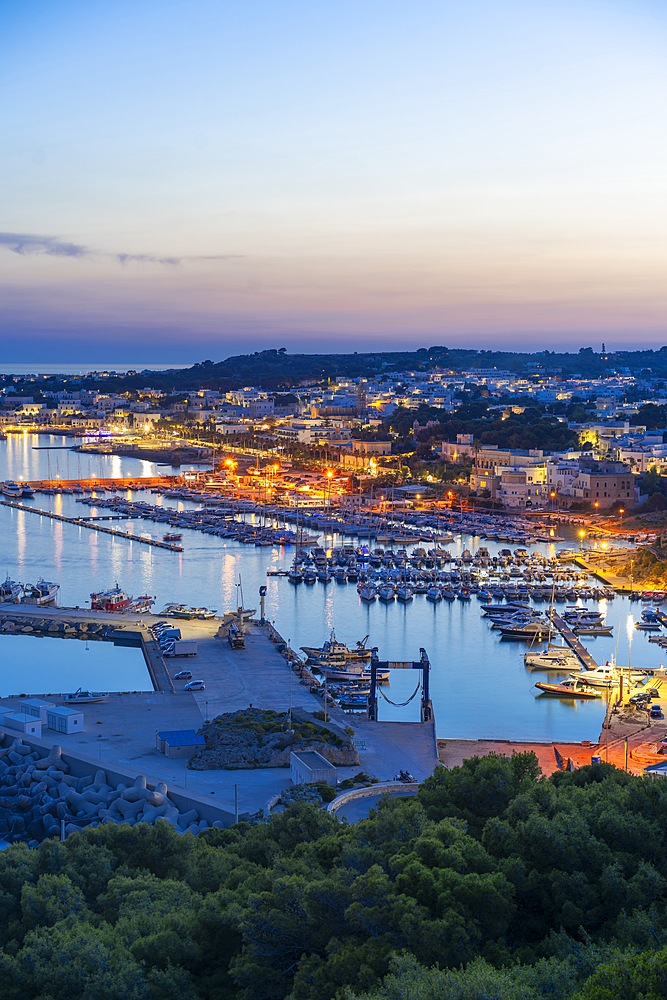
[11,490]
[609,675]
[554,657]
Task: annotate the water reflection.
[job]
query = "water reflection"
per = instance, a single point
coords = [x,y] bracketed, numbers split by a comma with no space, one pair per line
[479,684]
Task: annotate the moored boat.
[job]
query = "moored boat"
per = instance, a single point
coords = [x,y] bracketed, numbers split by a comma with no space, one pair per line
[113,600]
[552,658]
[569,689]
[81,697]
[42,592]
[11,490]
[334,649]
[10,591]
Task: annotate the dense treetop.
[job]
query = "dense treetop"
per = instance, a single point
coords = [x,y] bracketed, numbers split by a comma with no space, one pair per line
[491,883]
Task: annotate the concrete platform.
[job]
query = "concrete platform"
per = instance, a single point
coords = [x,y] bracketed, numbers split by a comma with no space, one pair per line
[120,733]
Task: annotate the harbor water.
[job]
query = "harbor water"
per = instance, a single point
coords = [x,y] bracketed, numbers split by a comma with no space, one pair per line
[479,685]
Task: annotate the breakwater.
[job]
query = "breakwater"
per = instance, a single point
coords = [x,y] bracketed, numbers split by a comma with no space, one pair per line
[85,523]
[43,797]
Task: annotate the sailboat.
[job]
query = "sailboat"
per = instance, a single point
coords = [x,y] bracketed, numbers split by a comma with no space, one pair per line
[242,613]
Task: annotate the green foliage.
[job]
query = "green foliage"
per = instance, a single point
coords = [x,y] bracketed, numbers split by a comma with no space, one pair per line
[264,722]
[653,483]
[490,883]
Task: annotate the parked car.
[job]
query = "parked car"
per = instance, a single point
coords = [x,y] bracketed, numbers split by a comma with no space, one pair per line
[640,699]
[183,675]
[655,712]
[195,686]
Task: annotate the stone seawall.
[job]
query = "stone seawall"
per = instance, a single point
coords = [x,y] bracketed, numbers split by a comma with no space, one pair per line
[41,792]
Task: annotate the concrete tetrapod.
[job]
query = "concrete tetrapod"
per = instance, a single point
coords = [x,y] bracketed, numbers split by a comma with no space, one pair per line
[38,793]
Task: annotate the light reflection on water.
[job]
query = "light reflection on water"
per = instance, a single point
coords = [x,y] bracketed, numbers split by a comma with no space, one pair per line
[479,685]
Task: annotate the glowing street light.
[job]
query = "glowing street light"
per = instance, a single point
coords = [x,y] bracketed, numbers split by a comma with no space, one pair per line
[582,535]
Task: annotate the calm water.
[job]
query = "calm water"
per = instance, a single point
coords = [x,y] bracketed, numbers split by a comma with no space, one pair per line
[54,666]
[41,368]
[479,685]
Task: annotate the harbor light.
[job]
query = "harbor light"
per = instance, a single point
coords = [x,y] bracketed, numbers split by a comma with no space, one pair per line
[582,535]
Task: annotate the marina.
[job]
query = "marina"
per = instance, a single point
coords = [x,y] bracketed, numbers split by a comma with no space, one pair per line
[480,686]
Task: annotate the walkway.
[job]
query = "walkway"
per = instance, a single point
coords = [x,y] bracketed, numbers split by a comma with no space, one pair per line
[573,642]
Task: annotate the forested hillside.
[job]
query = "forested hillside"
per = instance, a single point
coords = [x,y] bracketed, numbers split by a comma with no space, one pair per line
[491,883]
[277,369]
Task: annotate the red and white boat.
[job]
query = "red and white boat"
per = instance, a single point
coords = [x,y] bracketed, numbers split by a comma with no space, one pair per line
[110,600]
[116,600]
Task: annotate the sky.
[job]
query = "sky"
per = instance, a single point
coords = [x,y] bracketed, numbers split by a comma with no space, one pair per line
[188,181]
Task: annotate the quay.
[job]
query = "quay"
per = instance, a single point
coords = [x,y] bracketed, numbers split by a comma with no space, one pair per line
[120,733]
[102,483]
[83,522]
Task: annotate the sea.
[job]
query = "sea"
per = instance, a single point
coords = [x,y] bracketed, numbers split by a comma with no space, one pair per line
[479,685]
[82,368]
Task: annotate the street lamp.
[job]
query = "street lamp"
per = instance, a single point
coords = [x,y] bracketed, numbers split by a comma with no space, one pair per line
[582,535]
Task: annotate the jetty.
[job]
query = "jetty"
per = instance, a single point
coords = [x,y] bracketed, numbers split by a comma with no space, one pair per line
[83,522]
[573,642]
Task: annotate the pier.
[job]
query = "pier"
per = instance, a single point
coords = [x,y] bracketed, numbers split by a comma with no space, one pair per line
[260,674]
[661,616]
[573,642]
[83,522]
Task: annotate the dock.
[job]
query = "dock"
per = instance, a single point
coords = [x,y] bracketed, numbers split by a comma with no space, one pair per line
[661,616]
[573,642]
[261,674]
[83,522]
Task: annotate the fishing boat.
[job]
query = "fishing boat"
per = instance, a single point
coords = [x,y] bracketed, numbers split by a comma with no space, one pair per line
[172,537]
[569,689]
[42,592]
[114,600]
[334,649]
[10,591]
